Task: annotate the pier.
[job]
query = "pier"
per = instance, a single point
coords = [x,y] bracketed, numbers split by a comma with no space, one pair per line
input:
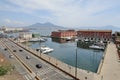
[110,69]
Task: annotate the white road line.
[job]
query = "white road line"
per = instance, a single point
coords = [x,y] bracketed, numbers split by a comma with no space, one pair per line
[26,77]
[30,77]
[44,72]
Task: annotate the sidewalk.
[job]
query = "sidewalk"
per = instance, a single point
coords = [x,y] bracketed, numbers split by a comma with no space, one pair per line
[111,65]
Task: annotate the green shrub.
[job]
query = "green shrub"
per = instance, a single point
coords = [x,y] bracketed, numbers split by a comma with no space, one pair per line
[3,71]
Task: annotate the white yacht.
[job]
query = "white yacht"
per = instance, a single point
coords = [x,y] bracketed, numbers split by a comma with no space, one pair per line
[45,49]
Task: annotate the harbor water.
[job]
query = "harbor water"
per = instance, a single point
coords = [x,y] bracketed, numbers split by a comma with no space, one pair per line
[87,59]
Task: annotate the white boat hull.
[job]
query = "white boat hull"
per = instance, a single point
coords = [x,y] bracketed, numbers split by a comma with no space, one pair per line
[96,47]
[45,49]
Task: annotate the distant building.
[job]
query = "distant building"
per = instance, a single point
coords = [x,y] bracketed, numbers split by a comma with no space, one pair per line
[95,35]
[25,35]
[11,29]
[66,34]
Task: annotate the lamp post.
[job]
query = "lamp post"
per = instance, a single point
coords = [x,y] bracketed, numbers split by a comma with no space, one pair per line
[76,60]
[76,64]
[40,46]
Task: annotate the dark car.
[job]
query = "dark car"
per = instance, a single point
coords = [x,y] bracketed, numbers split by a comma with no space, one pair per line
[20,50]
[39,65]
[5,49]
[14,50]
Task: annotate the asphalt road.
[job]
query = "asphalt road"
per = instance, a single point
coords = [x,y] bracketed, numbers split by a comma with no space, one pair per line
[47,72]
[14,62]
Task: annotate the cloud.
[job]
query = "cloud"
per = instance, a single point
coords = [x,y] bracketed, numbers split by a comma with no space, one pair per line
[66,12]
[8,21]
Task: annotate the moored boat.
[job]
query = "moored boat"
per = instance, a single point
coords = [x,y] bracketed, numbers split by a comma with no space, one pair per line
[97,46]
[45,49]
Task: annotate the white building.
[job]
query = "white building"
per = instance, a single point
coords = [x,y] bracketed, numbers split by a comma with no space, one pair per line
[25,35]
[7,29]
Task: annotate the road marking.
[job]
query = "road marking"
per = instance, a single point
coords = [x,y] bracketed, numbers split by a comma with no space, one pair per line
[52,75]
[28,77]
[44,72]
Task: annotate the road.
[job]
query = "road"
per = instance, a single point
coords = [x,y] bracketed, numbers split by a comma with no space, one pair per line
[13,61]
[47,72]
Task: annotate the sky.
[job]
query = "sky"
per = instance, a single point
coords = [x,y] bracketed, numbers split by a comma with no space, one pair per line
[67,13]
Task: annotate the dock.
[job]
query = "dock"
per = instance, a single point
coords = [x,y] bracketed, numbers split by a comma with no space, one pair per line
[110,69]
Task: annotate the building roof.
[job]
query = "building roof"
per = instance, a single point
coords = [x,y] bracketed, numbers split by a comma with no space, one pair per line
[70,30]
[96,30]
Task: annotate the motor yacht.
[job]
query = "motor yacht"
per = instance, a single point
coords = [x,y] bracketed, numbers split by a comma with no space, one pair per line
[45,49]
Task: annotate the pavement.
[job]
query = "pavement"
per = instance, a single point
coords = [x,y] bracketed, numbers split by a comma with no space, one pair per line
[111,64]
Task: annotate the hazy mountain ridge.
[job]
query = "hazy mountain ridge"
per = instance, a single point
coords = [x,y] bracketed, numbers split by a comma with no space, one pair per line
[51,26]
[46,25]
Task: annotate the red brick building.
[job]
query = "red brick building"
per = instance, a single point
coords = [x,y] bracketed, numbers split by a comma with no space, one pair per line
[67,34]
[95,35]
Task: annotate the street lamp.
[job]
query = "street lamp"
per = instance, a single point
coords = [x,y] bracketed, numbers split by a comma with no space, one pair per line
[39,49]
[76,60]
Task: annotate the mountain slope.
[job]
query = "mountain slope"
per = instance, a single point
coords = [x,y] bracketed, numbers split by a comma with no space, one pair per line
[46,25]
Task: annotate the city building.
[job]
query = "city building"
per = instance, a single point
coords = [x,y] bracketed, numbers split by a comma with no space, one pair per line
[66,34]
[12,29]
[94,35]
[25,35]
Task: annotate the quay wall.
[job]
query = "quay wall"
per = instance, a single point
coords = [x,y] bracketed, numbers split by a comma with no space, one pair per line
[102,60]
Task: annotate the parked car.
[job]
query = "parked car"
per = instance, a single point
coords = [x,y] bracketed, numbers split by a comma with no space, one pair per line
[39,65]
